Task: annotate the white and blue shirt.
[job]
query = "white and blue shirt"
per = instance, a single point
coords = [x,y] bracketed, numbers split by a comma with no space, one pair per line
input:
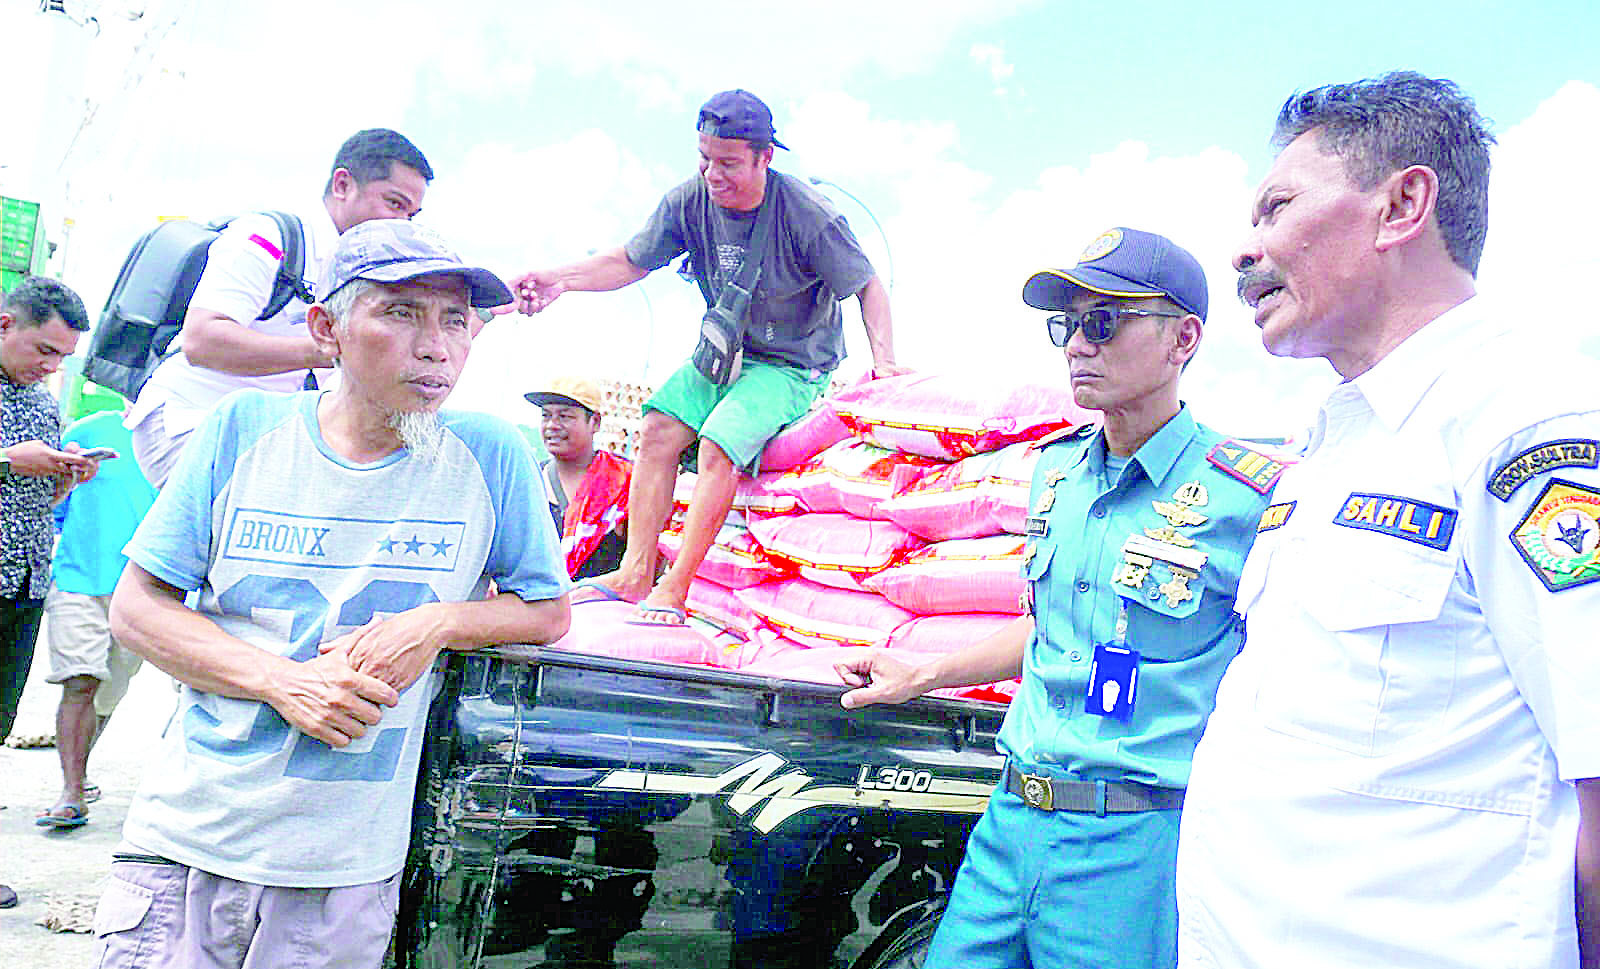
[289,545]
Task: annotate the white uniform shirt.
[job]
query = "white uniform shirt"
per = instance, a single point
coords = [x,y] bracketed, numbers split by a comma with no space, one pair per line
[240,270]
[1386,778]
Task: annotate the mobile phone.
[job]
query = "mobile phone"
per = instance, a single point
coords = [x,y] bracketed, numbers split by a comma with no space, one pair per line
[99,453]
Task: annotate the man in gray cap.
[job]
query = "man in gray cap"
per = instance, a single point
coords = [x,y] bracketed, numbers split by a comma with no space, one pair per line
[337,542]
[1136,535]
[788,332]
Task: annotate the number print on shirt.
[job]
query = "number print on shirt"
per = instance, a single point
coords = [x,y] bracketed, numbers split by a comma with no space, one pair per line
[311,759]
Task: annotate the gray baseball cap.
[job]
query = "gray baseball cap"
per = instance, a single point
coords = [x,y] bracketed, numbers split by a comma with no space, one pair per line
[395,250]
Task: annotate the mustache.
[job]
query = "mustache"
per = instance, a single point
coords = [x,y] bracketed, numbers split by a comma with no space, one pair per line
[1263,278]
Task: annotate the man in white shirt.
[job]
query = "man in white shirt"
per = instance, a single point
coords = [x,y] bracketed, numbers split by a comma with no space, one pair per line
[377,174]
[1400,771]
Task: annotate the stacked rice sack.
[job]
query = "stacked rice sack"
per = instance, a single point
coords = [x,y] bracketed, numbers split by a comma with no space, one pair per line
[893,515]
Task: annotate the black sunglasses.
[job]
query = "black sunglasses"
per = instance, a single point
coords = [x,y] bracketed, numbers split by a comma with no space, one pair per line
[1099,324]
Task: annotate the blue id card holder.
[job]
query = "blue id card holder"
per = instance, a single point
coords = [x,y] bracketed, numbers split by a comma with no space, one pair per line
[1113,682]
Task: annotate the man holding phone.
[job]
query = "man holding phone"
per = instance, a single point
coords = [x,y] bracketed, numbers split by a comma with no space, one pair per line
[790,334]
[40,322]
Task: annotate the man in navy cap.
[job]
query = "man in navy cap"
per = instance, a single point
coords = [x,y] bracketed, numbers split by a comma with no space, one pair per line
[1137,531]
[790,335]
[336,543]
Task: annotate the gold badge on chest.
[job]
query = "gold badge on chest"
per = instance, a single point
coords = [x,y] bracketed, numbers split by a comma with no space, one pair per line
[1180,511]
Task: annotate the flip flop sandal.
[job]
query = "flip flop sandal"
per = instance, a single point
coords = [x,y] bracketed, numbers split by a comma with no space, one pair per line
[76,818]
[679,617]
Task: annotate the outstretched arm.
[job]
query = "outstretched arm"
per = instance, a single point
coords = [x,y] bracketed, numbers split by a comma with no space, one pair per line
[881,677]
[601,272]
[875,314]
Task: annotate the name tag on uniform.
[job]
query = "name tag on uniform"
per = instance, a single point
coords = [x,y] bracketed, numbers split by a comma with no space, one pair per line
[1113,682]
[1404,518]
[1038,526]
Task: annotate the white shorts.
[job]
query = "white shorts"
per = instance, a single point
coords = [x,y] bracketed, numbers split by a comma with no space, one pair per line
[154,448]
[77,632]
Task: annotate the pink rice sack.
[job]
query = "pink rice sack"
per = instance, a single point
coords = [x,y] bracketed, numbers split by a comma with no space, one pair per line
[1001,692]
[834,550]
[599,629]
[805,438]
[763,644]
[949,417]
[818,615]
[937,635]
[982,495]
[753,496]
[960,575]
[852,477]
[720,606]
[734,560]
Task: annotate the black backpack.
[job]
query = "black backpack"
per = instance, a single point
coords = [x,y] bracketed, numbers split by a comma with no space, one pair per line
[145,310]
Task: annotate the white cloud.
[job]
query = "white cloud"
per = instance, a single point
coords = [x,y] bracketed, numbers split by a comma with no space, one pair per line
[992,58]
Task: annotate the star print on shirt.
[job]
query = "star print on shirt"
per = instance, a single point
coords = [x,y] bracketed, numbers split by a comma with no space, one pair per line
[441,546]
[387,544]
[414,545]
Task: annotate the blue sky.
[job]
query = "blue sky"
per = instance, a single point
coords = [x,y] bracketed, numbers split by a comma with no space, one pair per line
[989,138]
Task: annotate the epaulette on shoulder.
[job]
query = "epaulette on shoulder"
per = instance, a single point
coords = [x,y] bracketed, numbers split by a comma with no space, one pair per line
[1242,462]
[1063,434]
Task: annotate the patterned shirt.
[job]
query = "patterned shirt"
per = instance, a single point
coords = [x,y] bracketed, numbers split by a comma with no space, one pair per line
[26,532]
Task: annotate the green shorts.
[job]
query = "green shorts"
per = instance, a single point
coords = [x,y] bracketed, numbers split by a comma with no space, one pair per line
[743,416]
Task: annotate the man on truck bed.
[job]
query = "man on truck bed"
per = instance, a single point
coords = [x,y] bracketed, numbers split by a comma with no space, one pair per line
[792,334]
[1136,535]
[338,542]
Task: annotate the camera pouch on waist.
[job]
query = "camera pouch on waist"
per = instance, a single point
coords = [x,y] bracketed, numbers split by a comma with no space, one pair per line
[720,353]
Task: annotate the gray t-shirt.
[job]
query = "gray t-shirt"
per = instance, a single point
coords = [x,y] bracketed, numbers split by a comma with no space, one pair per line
[813,262]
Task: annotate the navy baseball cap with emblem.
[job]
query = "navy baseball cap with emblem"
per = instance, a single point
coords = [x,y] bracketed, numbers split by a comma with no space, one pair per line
[397,250]
[1126,263]
[738,114]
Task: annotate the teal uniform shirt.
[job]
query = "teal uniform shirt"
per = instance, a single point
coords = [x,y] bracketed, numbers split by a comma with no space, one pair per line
[1189,501]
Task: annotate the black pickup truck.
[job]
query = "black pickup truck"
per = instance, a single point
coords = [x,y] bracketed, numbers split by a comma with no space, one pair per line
[578,810]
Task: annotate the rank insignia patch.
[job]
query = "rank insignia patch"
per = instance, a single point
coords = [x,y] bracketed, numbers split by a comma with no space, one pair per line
[1559,538]
[1574,453]
[1276,516]
[1254,469]
[1414,521]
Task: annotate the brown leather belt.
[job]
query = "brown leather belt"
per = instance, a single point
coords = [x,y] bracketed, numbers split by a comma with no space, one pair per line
[1089,797]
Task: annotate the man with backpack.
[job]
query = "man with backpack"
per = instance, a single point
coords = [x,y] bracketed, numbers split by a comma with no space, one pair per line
[772,333]
[226,345]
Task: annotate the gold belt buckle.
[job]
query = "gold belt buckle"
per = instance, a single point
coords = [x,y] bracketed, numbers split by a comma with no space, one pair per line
[1037,792]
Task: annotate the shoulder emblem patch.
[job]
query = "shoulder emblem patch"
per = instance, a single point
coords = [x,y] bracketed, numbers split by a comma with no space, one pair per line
[1572,453]
[1404,518]
[1559,538]
[1276,516]
[1253,468]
